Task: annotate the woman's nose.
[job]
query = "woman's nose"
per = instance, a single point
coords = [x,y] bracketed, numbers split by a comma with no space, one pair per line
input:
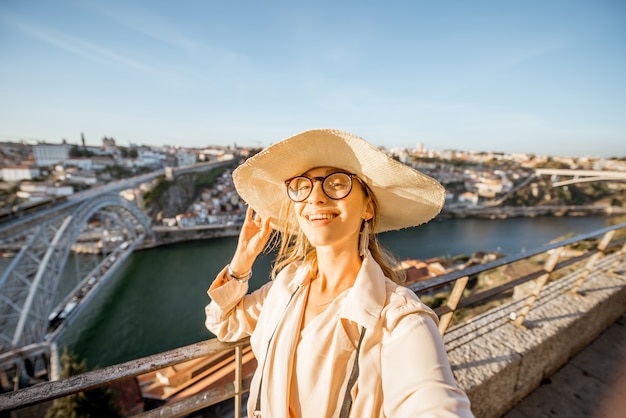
[317,193]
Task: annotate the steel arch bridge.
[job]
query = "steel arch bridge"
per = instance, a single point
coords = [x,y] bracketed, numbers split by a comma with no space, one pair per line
[29,287]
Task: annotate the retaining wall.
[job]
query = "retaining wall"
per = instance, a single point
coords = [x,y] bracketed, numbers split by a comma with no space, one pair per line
[173,235]
[499,363]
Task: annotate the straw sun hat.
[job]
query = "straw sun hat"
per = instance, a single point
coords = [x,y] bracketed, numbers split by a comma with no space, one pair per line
[405,197]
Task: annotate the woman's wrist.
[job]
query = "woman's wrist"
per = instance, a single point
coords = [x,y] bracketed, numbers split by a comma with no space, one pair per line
[236,275]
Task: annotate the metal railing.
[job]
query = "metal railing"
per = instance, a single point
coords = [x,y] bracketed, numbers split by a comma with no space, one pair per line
[459,297]
[458,280]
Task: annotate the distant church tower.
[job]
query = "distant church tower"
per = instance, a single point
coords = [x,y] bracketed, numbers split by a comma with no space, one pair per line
[108,142]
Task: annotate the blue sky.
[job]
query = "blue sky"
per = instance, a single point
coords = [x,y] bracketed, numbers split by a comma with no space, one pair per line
[545,77]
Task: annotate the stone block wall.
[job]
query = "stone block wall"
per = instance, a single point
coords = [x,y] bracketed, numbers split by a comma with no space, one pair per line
[499,363]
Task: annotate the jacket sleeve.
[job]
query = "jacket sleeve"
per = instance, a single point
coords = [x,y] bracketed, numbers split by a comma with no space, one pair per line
[416,375]
[232,314]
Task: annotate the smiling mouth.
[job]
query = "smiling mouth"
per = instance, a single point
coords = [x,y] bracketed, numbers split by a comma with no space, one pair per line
[321,216]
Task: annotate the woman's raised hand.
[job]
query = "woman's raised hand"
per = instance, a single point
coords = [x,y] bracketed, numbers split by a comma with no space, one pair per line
[253,237]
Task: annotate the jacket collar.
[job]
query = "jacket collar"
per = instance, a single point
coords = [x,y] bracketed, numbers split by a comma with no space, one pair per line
[366,299]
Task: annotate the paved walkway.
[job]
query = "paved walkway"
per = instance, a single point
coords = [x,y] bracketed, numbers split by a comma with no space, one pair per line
[592,384]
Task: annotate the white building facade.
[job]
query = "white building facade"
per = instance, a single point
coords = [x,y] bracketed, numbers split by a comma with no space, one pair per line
[50,154]
[19,173]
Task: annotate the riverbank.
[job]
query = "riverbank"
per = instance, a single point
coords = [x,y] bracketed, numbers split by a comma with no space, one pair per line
[504,212]
[168,235]
[165,235]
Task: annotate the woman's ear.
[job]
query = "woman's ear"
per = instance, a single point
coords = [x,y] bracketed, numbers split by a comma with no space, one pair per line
[368,212]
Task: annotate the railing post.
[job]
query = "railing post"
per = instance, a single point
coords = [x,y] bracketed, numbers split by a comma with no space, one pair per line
[18,374]
[618,259]
[453,302]
[548,267]
[55,362]
[604,242]
[238,380]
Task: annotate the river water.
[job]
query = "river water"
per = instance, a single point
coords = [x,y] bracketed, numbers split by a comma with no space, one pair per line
[155,302]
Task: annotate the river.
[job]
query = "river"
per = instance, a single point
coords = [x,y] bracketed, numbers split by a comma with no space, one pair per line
[155,302]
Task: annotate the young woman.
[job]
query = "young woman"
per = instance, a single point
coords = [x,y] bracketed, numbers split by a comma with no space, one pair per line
[334,332]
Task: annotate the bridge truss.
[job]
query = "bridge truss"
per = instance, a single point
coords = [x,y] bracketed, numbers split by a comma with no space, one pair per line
[29,287]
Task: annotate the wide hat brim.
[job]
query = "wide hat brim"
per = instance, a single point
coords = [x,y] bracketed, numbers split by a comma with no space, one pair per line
[405,197]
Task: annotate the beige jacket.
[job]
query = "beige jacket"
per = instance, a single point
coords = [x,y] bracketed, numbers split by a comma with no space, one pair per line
[404,369]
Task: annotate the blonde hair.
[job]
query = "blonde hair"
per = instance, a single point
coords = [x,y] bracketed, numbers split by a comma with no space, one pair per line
[293,245]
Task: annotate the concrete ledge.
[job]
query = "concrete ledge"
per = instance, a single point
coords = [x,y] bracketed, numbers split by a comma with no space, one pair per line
[173,235]
[498,363]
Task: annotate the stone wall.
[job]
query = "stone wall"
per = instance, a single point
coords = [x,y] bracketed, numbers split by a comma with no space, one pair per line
[171,235]
[498,363]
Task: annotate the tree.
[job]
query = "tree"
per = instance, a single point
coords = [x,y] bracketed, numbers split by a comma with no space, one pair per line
[91,404]
[75,152]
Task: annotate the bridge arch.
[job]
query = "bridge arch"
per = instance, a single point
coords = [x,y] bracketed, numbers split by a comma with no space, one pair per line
[29,286]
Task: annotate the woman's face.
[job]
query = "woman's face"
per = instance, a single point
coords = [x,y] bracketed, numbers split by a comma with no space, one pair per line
[329,222]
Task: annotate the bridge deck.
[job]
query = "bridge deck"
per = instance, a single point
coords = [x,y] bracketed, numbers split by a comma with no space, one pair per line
[592,384]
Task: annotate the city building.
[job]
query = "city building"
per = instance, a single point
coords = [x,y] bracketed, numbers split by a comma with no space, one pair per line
[19,173]
[47,155]
[184,158]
